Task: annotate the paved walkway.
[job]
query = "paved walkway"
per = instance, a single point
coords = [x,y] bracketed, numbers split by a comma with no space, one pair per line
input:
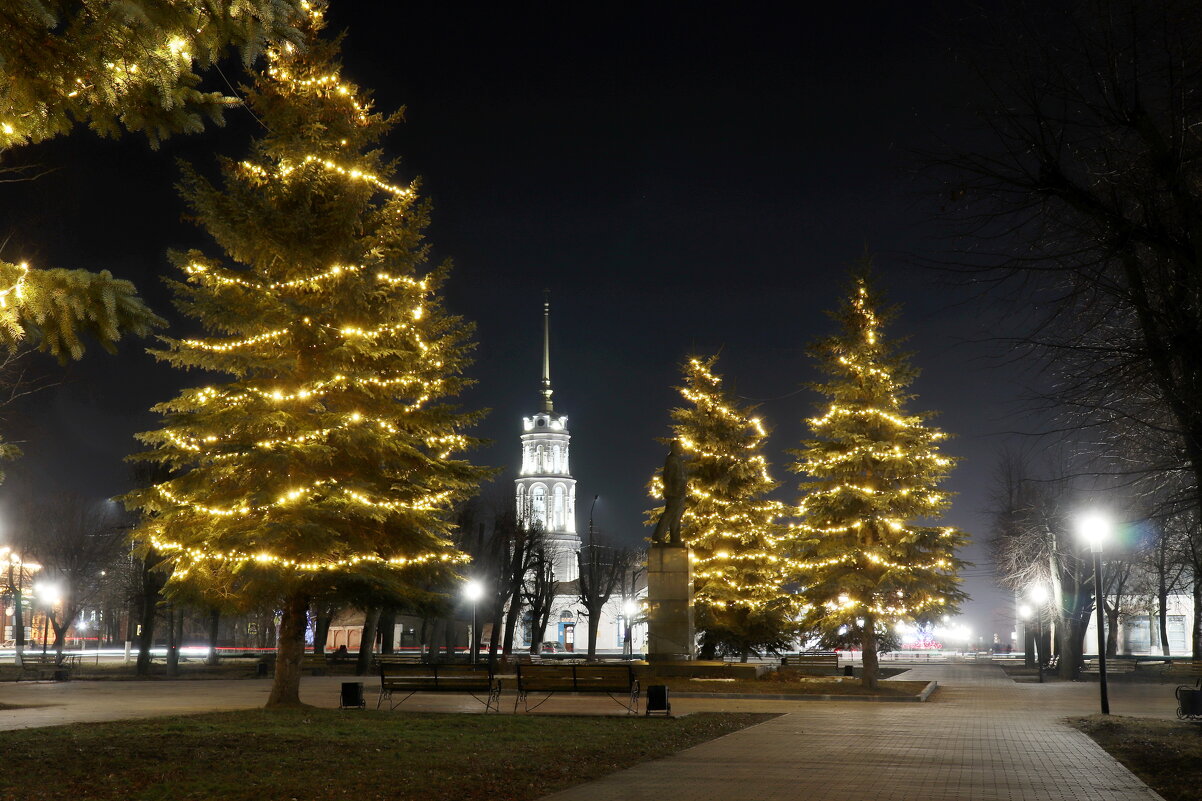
[981,736]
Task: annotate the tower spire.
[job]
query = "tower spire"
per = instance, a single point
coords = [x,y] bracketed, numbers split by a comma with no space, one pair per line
[546,391]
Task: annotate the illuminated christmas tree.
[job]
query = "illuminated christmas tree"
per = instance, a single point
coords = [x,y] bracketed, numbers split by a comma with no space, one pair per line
[112,66]
[870,556]
[131,65]
[326,459]
[740,604]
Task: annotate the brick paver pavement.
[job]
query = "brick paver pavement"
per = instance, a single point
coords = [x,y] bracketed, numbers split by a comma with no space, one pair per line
[981,738]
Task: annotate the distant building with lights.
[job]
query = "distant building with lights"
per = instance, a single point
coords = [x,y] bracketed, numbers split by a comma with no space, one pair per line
[546,497]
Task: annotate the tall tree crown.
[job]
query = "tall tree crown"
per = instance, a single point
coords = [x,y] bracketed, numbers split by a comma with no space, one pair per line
[874,472]
[729,521]
[330,450]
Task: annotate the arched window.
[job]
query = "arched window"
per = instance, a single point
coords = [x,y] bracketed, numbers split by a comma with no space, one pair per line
[538,504]
[540,459]
[559,507]
[522,511]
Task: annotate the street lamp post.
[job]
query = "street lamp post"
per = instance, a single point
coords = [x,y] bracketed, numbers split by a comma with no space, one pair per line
[1094,529]
[473,590]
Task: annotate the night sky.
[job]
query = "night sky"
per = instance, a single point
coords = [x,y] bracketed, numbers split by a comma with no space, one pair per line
[684,182]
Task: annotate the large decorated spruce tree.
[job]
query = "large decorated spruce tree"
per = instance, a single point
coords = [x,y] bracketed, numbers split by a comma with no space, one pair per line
[323,452]
[732,526]
[872,555]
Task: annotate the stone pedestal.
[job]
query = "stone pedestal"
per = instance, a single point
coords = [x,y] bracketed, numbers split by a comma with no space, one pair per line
[670,633]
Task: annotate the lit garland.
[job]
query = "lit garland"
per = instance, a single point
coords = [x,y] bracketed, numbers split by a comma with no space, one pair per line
[873,470]
[136,71]
[17,288]
[738,549]
[370,371]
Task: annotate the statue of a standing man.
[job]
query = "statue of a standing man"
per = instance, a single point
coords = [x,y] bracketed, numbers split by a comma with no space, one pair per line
[676,487]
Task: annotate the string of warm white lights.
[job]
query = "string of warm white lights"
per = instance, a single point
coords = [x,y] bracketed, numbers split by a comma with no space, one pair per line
[17,288]
[346,378]
[740,562]
[873,470]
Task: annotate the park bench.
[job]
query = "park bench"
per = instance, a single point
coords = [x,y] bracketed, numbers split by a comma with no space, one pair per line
[616,681]
[396,678]
[1181,670]
[825,661]
[47,666]
[1114,667]
[406,658]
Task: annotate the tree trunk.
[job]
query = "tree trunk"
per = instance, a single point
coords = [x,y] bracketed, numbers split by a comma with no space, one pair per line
[872,666]
[1071,641]
[214,631]
[387,627]
[1162,616]
[1112,630]
[19,621]
[146,633]
[438,638]
[371,621]
[1029,633]
[60,636]
[174,624]
[1196,591]
[593,618]
[290,649]
[511,623]
[494,642]
[323,618]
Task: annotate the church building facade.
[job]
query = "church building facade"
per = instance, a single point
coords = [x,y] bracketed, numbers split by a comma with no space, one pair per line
[546,496]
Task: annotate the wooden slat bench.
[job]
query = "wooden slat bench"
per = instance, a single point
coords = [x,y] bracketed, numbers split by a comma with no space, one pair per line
[475,681]
[43,666]
[1114,667]
[616,681]
[406,658]
[827,661]
[1181,670]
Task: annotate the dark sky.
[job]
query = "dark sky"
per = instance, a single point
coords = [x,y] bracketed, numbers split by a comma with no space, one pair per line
[691,178]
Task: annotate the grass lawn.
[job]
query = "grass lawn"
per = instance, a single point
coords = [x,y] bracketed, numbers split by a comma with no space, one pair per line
[1166,754]
[316,755]
[778,684]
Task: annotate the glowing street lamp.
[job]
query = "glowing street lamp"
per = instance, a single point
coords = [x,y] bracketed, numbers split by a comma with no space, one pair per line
[49,594]
[629,607]
[1095,529]
[473,591]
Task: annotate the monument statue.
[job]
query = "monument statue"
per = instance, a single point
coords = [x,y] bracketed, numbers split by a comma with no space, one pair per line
[671,634]
[676,487]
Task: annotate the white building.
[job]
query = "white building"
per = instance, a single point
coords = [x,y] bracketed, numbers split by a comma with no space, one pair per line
[546,494]
[1139,629]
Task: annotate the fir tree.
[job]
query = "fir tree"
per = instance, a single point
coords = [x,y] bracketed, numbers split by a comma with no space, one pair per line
[740,602]
[325,458]
[131,65]
[870,557]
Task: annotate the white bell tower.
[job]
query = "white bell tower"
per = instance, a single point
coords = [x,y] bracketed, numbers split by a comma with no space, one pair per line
[546,491]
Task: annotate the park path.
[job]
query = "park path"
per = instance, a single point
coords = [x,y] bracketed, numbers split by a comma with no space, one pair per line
[981,738]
